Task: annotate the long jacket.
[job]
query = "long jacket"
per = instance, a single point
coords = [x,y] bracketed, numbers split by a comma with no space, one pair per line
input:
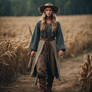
[37,45]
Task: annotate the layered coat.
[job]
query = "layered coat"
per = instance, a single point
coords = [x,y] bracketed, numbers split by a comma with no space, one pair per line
[37,45]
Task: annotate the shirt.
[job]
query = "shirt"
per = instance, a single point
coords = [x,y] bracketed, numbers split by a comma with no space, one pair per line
[38,33]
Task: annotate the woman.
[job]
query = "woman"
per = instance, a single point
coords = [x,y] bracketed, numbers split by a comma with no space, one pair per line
[47,45]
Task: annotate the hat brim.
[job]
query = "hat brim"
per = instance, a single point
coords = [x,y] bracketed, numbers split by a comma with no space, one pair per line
[54,8]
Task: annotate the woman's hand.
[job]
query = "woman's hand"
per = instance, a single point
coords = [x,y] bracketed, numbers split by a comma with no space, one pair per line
[60,52]
[32,53]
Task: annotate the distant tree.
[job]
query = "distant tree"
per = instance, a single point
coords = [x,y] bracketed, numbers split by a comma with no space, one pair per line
[60,4]
[30,7]
[18,7]
[67,8]
[78,7]
[5,8]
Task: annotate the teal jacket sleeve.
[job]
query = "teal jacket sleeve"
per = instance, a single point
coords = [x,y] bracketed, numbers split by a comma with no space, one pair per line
[35,37]
[59,38]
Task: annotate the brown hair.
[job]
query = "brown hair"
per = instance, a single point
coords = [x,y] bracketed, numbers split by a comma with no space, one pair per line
[43,22]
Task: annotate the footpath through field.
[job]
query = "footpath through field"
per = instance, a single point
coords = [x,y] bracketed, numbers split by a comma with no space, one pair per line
[70,69]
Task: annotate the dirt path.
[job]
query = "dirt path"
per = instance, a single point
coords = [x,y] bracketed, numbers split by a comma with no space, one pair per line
[70,79]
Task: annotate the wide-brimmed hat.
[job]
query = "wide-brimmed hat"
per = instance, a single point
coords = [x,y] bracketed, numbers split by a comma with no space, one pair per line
[48,5]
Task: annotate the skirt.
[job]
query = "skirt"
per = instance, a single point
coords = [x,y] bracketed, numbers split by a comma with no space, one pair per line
[46,64]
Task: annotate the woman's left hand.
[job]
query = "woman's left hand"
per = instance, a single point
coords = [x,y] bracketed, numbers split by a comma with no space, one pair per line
[60,52]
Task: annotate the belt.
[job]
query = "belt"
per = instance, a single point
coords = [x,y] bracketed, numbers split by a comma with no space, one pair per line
[47,39]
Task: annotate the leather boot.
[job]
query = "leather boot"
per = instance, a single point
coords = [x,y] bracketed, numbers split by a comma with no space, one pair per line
[43,84]
[49,84]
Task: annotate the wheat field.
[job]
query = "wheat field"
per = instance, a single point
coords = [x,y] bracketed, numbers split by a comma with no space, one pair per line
[15,37]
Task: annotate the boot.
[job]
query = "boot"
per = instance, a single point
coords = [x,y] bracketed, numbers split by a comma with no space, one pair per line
[49,84]
[43,84]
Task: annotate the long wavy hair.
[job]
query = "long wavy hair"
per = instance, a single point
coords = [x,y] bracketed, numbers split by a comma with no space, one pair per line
[43,22]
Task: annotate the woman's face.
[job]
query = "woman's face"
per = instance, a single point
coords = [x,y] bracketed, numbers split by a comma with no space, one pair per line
[48,12]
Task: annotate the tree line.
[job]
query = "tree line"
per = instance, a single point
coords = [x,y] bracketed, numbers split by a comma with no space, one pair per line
[30,7]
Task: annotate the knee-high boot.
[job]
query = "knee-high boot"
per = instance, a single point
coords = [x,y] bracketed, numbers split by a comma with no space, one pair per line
[50,84]
[43,84]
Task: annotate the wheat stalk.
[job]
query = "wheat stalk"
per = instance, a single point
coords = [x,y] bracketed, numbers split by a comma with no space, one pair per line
[86,74]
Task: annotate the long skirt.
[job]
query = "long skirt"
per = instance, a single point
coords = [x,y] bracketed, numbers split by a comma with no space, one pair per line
[46,64]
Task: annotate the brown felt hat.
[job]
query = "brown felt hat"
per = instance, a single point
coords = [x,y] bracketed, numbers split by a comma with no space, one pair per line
[48,5]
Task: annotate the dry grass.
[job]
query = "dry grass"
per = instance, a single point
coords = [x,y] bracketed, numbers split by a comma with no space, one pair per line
[86,74]
[15,39]
[12,61]
[77,32]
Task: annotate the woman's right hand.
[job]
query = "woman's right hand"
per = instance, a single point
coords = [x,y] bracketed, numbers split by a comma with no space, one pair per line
[32,53]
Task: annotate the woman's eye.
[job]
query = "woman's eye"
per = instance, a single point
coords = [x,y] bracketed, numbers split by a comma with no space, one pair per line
[48,10]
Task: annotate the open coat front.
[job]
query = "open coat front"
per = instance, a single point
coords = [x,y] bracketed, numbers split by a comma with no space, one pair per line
[37,45]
